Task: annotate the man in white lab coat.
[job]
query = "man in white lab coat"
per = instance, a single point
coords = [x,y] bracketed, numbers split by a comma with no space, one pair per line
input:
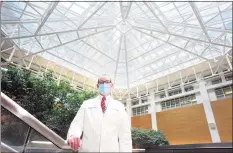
[104,123]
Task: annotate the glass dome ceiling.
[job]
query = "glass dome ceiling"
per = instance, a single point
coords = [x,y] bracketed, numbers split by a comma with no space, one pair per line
[132,42]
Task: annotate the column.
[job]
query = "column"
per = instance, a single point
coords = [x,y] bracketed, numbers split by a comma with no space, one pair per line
[208,111]
[166,91]
[221,74]
[182,88]
[153,109]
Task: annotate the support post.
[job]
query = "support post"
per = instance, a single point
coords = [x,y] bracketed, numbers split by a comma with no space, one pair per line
[153,110]
[208,111]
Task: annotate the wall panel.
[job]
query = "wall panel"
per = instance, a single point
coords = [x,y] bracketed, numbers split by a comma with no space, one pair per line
[143,122]
[222,110]
[186,125]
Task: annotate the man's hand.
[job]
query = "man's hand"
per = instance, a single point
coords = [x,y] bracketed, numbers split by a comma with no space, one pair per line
[74,143]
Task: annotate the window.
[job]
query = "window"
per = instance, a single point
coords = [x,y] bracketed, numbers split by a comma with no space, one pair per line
[179,102]
[140,110]
[206,74]
[216,81]
[174,92]
[162,96]
[135,102]
[224,92]
[144,99]
[187,89]
[228,78]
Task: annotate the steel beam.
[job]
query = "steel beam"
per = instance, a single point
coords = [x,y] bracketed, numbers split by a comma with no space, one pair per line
[23,11]
[122,11]
[211,44]
[228,61]
[97,50]
[85,21]
[73,64]
[165,56]
[181,78]
[222,59]
[159,10]
[29,4]
[179,12]
[125,13]
[152,11]
[58,32]
[180,24]
[118,56]
[126,61]
[2,42]
[2,51]
[28,67]
[12,54]
[83,56]
[158,72]
[185,37]
[128,9]
[62,44]
[198,16]
[183,49]
[194,70]
[211,70]
[217,14]
[54,20]
[141,9]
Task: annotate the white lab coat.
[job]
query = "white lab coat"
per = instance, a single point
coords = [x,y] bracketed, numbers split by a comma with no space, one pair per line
[108,132]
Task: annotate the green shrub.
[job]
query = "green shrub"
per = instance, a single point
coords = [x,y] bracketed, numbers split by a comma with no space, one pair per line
[143,138]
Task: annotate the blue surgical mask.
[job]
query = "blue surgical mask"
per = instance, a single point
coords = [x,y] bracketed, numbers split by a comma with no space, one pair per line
[104,89]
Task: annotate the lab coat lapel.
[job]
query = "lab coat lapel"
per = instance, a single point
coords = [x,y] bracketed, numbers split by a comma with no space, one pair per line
[96,115]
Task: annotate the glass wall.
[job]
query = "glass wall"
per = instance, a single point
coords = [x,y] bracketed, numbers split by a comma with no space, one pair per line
[223,92]
[38,143]
[140,110]
[179,102]
[13,130]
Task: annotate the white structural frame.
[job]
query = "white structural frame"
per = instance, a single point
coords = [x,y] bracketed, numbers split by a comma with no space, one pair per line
[105,27]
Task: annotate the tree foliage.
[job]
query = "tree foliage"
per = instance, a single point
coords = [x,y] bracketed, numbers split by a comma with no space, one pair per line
[55,104]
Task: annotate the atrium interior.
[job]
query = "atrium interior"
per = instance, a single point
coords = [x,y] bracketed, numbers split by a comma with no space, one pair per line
[160,55]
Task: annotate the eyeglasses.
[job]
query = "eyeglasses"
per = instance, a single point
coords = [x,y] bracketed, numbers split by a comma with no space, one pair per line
[105,81]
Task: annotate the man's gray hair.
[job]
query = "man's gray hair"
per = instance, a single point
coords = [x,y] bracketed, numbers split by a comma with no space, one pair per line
[105,75]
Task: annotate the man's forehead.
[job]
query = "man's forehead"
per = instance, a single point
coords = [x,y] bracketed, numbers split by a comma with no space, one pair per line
[104,78]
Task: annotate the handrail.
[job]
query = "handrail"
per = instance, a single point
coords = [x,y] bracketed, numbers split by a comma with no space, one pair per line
[6,148]
[29,119]
[33,122]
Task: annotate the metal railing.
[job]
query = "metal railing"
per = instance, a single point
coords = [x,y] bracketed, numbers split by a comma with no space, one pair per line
[35,124]
[6,148]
